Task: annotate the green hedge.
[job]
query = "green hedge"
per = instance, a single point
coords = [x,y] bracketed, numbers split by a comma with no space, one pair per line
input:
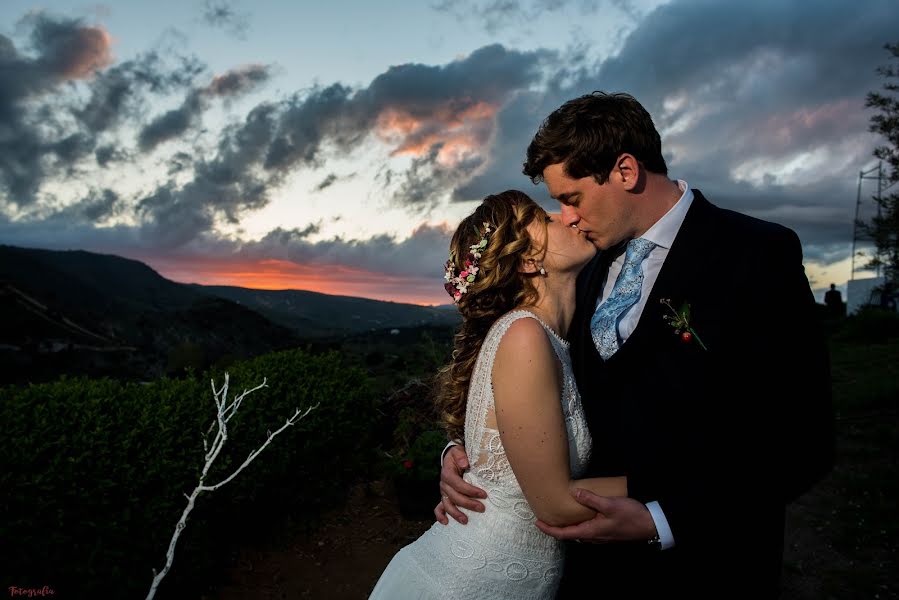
[95,472]
[869,324]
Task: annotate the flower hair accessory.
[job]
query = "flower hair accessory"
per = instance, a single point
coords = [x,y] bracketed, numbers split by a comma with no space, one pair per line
[456,285]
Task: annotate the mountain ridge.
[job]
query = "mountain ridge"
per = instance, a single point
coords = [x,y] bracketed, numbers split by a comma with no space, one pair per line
[302,310]
[79,312]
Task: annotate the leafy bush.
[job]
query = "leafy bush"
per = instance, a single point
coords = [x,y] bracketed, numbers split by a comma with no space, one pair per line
[94,472]
[870,324]
[421,461]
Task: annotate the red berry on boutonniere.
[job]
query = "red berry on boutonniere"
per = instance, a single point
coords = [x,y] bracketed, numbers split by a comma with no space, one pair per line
[680,322]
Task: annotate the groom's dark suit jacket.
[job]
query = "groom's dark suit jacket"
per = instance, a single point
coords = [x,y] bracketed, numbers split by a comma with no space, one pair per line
[722,438]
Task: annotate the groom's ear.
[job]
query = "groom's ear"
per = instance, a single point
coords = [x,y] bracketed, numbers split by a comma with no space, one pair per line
[627,170]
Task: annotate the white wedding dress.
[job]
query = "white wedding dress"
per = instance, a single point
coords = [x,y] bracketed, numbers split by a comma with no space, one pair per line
[500,553]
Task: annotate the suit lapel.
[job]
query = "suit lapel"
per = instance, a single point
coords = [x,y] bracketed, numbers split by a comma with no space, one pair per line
[684,254]
[676,280]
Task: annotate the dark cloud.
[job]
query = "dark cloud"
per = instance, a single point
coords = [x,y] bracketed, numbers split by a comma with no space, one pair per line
[759,94]
[326,182]
[762,112]
[442,116]
[488,74]
[221,14]
[422,254]
[303,123]
[176,217]
[744,109]
[176,122]
[498,15]
[108,154]
[493,15]
[67,48]
[515,126]
[171,124]
[121,92]
[449,114]
[64,49]
[179,162]
[42,133]
[227,184]
[75,226]
[239,81]
[826,253]
[411,107]
[72,148]
[60,233]
[426,180]
[752,59]
[820,212]
[96,207]
[333,178]
[21,166]
[100,206]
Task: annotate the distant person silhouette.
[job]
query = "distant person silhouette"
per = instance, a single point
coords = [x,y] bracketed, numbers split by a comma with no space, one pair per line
[834,301]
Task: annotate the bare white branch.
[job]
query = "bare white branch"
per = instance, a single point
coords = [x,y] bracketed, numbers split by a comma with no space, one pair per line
[296,417]
[224,413]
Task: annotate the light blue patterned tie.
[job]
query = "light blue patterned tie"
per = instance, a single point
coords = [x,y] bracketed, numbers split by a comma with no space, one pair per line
[626,293]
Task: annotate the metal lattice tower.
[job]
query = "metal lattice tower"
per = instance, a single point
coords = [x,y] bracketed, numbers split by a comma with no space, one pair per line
[857,235]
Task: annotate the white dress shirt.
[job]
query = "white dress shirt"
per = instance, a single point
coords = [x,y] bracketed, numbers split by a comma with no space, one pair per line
[662,234]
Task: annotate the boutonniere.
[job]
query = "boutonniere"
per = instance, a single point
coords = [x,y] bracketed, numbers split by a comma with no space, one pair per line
[680,321]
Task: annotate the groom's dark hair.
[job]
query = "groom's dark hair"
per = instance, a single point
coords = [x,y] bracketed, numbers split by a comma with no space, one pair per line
[589,133]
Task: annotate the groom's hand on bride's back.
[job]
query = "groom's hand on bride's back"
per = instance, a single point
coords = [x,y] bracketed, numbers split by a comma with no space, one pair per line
[454,491]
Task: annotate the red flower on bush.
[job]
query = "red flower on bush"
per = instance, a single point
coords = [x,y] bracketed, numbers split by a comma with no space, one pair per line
[407,464]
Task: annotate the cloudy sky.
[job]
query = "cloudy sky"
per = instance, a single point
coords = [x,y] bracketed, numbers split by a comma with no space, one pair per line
[334,146]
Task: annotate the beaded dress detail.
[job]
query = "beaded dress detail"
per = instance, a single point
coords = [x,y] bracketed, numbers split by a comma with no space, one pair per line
[500,553]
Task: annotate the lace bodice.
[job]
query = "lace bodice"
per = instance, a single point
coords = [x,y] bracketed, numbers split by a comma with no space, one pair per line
[500,553]
[490,467]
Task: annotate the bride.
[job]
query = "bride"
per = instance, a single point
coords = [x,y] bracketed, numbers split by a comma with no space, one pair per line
[509,389]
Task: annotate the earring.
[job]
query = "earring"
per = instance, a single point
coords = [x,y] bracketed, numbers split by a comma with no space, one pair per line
[542,271]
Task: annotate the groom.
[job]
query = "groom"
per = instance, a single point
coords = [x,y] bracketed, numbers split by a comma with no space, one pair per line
[711,396]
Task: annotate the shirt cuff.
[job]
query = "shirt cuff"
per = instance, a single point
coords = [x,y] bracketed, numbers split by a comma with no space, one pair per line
[658,517]
[447,447]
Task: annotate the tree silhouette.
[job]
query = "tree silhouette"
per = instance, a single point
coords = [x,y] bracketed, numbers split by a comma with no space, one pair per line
[884,228]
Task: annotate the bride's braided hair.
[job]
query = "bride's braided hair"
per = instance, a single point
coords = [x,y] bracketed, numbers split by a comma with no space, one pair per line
[498,288]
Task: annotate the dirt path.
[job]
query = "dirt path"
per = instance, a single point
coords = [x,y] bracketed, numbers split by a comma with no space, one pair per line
[342,561]
[339,561]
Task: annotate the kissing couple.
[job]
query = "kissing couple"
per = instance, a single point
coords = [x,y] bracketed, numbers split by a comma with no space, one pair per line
[629,414]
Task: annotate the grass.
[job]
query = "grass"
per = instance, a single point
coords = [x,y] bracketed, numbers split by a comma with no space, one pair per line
[843,536]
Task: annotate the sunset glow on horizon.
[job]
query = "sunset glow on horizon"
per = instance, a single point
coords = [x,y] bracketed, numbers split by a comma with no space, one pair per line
[273,274]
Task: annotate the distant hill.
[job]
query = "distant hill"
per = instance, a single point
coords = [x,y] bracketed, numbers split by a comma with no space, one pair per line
[77,312]
[312,314]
